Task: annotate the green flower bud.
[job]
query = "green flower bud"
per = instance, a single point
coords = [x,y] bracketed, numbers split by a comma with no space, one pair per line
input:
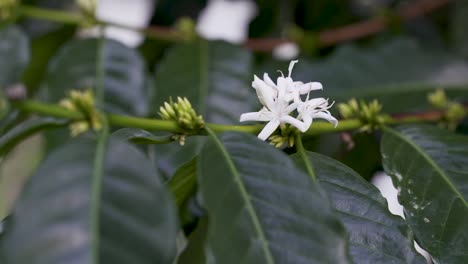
[7,9]
[87,7]
[182,112]
[438,99]
[186,28]
[345,110]
[83,102]
[455,112]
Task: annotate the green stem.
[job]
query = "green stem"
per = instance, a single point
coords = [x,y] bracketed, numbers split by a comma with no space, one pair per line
[317,128]
[52,15]
[70,18]
[218,128]
[152,34]
[302,152]
[143,123]
[48,110]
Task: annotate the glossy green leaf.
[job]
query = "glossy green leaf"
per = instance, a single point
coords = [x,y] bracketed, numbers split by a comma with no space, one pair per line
[375,235]
[14,54]
[74,67]
[215,77]
[429,167]
[51,223]
[262,208]
[401,70]
[26,129]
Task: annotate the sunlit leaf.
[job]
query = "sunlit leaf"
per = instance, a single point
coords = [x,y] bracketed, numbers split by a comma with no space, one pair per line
[429,167]
[375,235]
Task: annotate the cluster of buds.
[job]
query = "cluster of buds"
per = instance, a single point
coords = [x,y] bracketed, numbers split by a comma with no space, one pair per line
[284,136]
[453,111]
[7,9]
[186,28]
[83,102]
[368,113]
[87,7]
[183,113]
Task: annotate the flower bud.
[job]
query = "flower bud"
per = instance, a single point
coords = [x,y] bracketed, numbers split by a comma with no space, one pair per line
[438,99]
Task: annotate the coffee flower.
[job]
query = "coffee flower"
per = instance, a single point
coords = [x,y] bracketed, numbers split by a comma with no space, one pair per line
[282,99]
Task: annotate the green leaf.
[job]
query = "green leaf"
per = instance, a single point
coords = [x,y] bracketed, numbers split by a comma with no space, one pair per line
[458,22]
[74,67]
[215,77]
[140,136]
[377,73]
[183,184]
[194,253]
[429,167]
[375,235]
[51,222]
[362,147]
[42,49]
[26,129]
[15,168]
[14,51]
[262,209]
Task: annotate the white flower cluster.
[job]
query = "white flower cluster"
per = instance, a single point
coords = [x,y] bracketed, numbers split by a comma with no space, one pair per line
[283,98]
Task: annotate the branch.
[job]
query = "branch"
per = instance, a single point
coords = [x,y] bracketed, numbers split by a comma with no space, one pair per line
[171,126]
[325,38]
[357,30]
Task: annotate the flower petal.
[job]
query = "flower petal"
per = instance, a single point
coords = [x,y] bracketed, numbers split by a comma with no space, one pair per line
[269,129]
[326,116]
[282,85]
[291,66]
[307,120]
[293,121]
[268,80]
[311,86]
[316,102]
[265,93]
[316,86]
[256,116]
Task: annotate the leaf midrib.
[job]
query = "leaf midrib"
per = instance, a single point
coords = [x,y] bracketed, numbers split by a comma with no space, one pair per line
[245,196]
[430,161]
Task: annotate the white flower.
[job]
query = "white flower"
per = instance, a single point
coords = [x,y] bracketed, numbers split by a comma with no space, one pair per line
[315,108]
[281,99]
[275,109]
